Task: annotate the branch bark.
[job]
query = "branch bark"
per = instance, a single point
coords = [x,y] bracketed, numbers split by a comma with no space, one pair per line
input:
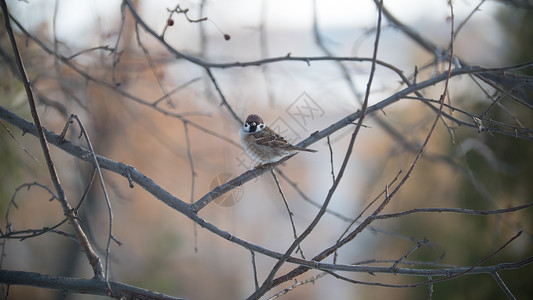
[92,286]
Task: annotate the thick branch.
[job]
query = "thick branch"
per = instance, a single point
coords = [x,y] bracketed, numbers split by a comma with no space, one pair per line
[79,285]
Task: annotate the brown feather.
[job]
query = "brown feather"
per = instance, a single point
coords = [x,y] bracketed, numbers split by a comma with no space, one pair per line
[269,137]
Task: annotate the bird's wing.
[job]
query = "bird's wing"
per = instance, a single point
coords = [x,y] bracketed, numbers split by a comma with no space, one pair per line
[268,137]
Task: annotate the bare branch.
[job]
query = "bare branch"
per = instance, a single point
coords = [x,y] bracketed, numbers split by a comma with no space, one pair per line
[254,267]
[418,245]
[19,144]
[289,211]
[454,210]
[502,285]
[93,286]
[222,97]
[193,178]
[102,185]
[465,21]
[151,63]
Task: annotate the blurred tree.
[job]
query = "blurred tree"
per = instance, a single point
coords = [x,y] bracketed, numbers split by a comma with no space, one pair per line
[498,172]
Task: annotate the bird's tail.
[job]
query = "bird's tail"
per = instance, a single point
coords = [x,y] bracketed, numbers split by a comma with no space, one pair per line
[304,149]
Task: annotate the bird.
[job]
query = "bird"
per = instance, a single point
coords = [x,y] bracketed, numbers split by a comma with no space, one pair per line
[263,144]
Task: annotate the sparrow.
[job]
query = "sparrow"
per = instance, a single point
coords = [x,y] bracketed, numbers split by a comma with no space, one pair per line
[263,144]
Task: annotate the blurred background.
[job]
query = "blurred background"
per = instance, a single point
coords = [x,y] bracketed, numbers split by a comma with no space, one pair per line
[120,98]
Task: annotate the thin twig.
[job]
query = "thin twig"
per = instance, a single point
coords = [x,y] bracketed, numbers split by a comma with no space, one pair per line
[416,247]
[481,260]
[116,53]
[177,89]
[470,15]
[104,48]
[193,179]
[430,287]
[155,72]
[36,232]
[21,235]
[254,268]
[102,185]
[502,285]
[222,97]
[86,191]
[179,10]
[454,210]
[12,202]
[497,100]
[289,211]
[331,159]
[19,144]
[311,280]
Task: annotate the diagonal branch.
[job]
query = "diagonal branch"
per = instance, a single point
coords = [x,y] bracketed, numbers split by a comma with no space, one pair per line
[222,97]
[503,286]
